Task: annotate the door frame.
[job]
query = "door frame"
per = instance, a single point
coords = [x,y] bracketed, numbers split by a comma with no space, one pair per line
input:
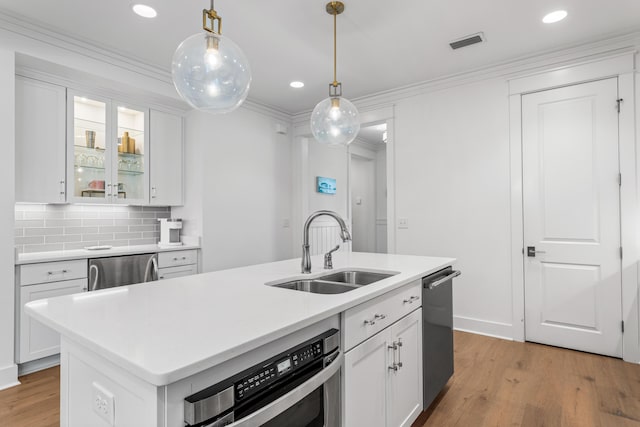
[620,65]
[301,175]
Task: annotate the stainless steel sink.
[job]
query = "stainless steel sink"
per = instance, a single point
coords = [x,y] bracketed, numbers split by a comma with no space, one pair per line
[336,283]
[317,286]
[356,277]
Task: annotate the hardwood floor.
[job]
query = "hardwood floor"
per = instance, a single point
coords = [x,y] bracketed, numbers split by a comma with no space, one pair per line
[34,403]
[504,383]
[496,383]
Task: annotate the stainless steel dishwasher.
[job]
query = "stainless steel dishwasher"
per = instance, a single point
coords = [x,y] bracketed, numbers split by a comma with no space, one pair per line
[437,332]
[110,272]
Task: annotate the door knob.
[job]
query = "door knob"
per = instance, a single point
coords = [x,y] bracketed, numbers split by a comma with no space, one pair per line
[531,251]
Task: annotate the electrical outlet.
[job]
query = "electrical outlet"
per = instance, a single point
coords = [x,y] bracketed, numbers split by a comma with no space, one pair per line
[403,223]
[103,403]
[285,223]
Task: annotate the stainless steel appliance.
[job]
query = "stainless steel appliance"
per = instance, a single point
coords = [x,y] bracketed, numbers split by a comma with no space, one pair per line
[170,232]
[110,272]
[299,387]
[437,332]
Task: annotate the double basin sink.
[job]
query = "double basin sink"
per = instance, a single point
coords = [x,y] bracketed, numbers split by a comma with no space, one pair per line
[336,283]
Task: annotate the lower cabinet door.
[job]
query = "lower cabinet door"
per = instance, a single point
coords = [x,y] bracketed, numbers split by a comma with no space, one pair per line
[365,375]
[405,383]
[36,340]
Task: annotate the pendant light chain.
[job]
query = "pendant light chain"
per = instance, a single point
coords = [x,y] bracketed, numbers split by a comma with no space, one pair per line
[335,47]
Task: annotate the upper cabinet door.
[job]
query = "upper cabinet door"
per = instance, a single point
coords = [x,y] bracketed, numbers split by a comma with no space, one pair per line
[89,143]
[166,159]
[40,142]
[130,151]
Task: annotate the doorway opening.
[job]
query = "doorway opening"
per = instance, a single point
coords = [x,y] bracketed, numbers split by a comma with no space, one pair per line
[368,189]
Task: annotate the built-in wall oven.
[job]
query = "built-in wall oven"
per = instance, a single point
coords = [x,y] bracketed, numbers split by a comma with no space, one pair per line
[299,387]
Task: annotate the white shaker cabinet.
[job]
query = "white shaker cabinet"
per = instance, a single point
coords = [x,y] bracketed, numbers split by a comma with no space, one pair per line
[365,372]
[383,376]
[36,340]
[405,384]
[166,159]
[40,142]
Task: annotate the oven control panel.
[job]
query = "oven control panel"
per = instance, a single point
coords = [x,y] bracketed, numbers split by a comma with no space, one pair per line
[263,377]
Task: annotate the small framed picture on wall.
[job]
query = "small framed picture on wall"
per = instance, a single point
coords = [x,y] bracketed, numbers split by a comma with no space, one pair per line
[325,185]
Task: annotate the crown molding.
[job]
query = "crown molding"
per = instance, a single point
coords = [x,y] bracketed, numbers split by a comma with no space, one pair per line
[267,110]
[515,68]
[41,33]
[587,51]
[21,26]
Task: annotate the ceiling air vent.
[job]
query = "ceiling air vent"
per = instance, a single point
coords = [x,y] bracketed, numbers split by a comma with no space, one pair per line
[467,41]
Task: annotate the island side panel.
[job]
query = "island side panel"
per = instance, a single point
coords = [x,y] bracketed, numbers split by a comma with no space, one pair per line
[90,384]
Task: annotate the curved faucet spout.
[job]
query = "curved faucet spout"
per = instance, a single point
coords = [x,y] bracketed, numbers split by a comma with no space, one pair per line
[344,235]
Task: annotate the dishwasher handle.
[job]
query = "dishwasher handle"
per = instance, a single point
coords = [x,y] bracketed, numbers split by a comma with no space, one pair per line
[445,279]
[151,270]
[93,267]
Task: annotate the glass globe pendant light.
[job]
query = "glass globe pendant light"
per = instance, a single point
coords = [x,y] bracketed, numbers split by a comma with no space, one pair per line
[209,70]
[335,120]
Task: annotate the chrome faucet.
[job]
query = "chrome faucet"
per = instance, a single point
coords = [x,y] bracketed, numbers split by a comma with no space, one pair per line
[306,256]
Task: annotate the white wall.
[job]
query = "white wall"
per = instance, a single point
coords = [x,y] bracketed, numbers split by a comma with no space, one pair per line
[8,370]
[330,162]
[238,188]
[453,186]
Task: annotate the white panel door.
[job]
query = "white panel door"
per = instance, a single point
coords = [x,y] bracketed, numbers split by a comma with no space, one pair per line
[572,218]
[405,383]
[365,379]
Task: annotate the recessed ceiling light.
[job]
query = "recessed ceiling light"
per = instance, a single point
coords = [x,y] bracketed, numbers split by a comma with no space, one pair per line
[296,85]
[554,16]
[144,10]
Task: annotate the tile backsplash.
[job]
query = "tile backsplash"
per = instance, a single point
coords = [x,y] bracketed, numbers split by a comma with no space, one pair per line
[43,228]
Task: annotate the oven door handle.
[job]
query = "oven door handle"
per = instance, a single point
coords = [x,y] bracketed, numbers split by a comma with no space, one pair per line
[278,406]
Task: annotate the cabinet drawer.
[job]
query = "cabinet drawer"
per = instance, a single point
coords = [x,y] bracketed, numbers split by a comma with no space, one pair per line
[36,340]
[175,258]
[52,272]
[369,318]
[180,271]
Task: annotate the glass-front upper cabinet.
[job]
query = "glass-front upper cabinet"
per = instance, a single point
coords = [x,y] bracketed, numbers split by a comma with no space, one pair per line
[107,146]
[132,180]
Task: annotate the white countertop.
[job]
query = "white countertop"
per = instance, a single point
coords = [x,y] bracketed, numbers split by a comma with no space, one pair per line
[165,331]
[32,258]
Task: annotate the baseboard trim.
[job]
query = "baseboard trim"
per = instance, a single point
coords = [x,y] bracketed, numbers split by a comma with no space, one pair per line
[9,376]
[38,365]
[483,327]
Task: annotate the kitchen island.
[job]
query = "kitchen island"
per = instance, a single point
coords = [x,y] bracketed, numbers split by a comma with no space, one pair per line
[131,355]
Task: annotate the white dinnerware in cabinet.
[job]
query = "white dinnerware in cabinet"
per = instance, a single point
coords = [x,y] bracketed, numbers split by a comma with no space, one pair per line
[40,142]
[107,151]
[166,158]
